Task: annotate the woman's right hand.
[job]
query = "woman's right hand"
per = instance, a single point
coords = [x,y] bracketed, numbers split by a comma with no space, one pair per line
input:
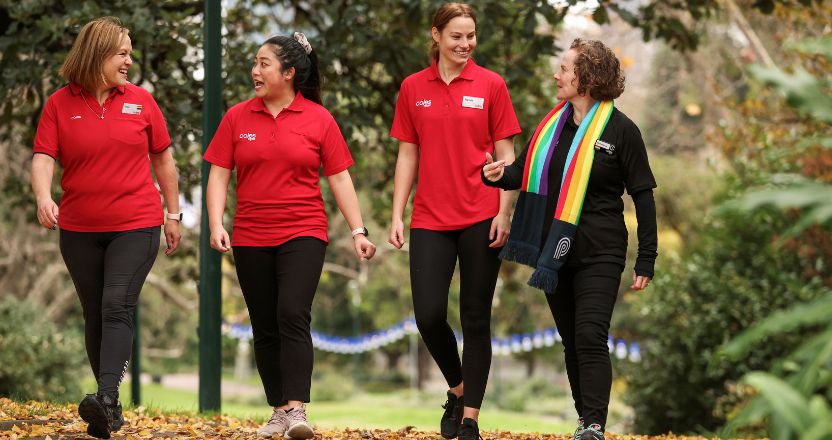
[396,233]
[220,240]
[48,213]
[493,171]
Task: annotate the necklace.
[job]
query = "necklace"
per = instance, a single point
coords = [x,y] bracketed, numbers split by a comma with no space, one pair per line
[103,109]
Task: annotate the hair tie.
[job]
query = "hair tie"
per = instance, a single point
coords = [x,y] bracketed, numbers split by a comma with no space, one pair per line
[300,38]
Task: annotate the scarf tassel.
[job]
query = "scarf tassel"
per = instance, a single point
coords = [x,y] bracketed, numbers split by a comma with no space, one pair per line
[520,252]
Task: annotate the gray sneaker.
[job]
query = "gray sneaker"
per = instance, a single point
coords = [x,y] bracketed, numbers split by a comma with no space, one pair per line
[298,424]
[276,425]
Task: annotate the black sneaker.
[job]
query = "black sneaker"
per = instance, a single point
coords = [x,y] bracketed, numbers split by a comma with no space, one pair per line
[469,430]
[579,430]
[116,416]
[92,410]
[594,432]
[449,425]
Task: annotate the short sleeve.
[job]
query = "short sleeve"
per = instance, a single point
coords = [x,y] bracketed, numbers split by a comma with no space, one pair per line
[46,137]
[502,121]
[637,173]
[403,128]
[157,127]
[220,151]
[335,156]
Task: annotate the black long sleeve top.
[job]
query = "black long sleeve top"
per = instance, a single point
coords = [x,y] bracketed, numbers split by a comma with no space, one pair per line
[602,234]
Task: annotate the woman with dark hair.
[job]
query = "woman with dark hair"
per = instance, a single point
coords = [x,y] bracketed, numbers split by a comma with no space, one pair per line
[107,134]
[447,117]
[581,158]
[278,141]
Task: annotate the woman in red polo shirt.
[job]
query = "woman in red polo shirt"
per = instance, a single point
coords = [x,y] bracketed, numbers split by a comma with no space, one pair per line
[106,133]
[278,141]
[447,117]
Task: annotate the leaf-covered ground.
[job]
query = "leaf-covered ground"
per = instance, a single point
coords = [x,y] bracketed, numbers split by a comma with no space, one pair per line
[39,420]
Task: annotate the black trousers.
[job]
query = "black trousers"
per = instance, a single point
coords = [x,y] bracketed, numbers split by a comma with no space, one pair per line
[278,284]
[433,256]
[108,270]
[582,306]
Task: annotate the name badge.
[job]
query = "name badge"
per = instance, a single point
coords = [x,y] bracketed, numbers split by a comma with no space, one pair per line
[472,102]
[131,109]
[605,147]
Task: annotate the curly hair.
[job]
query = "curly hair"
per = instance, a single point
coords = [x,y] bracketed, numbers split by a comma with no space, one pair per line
[597,69]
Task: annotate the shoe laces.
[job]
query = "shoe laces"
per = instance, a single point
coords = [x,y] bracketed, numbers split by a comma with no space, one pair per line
[579,430]
[595,429]
[297,415]
[467,432]
[278,416]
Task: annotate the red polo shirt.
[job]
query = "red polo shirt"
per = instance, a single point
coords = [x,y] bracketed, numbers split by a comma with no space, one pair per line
[278,161]
[106,179]
[454,125]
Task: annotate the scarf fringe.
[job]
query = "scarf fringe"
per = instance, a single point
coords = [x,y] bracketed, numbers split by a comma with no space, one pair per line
[520,252]
[544,279]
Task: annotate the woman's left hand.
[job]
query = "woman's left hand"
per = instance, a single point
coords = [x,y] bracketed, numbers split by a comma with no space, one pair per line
[500,227]
[364,249]
[172,236]
[640,282]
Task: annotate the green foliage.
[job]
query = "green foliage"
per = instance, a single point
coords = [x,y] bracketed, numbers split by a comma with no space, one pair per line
[37,361]
[795,397]
[517,398]
[730,280]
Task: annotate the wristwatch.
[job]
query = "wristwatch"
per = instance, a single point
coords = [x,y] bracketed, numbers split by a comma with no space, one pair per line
[174,216]
[360,230]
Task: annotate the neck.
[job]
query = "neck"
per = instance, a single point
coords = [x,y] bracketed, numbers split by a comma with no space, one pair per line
[276,104]
[101,94]
[448,71]
[580,107]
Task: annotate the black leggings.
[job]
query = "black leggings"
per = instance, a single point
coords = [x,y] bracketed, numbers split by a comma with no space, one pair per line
[278,284]
[582,307]
[108,270]
[433,256]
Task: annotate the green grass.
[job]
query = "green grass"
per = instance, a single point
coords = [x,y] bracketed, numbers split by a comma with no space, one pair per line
[391,411]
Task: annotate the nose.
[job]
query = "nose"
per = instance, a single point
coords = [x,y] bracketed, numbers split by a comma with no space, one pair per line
[128,61]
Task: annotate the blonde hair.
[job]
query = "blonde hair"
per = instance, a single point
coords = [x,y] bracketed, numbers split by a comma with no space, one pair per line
[97,40]
[444,15]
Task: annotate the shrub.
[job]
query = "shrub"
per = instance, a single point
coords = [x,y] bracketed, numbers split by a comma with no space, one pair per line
[37,361]
[730,280]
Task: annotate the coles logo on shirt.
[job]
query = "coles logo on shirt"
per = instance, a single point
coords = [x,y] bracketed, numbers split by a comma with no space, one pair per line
[423,103]
[249,136]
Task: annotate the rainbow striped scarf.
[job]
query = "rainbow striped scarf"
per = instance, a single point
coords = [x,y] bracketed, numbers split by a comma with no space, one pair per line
[527,226]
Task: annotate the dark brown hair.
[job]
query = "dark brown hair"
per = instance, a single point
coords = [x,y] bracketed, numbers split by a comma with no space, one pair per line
[307,78]
[444,15]
[597,69]
[97,40]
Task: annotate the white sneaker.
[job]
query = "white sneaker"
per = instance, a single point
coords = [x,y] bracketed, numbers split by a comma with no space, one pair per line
[298,424]
[276,425]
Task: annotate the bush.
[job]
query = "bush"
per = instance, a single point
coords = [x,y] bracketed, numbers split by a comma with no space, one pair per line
[517,398]
[730,280]
[37,361]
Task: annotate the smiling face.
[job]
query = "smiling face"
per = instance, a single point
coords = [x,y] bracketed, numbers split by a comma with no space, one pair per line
[457,40]
[270,80]
[565,77]
[115,66]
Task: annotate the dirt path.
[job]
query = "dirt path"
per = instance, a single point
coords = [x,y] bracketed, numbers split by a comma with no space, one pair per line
[38,420]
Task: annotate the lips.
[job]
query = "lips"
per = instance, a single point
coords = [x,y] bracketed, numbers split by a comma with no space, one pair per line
[258,84]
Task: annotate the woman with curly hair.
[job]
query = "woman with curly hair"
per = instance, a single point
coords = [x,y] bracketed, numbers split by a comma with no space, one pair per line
[569,219]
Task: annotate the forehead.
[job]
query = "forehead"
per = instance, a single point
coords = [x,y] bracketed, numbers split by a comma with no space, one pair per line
[126,42]
[462,25]
[568,58]
[266,51]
